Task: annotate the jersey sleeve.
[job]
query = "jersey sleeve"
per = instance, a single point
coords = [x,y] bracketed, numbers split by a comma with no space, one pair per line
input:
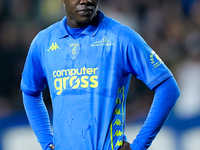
[32,84]
[33,76]
[166,95]
[39,119]
[143,62]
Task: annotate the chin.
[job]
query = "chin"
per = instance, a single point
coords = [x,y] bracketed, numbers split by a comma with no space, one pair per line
[86,21]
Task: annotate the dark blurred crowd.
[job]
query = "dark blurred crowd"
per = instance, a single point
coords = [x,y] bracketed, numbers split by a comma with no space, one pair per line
[170,27]
[20,21]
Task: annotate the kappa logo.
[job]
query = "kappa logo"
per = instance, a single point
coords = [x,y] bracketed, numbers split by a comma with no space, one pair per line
[103,42]
[53,47]
[118,133]
[118,122]
[119,143]
[74,50]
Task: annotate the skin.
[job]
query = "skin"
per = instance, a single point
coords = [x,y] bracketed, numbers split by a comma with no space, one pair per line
[80,12]
[126,146]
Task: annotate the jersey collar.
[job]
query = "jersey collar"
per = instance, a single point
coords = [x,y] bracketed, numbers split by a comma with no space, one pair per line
[91,30]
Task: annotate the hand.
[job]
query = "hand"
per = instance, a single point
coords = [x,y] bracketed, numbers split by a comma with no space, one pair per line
[126,146]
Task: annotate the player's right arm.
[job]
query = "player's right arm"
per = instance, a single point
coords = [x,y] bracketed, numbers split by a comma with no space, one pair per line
[32,84]
[39,119]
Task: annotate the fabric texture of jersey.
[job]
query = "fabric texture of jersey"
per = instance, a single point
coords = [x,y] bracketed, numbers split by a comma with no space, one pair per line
[88,78]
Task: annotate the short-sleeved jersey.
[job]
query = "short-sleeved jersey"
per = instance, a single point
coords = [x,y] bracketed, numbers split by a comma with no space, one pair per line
[88,78]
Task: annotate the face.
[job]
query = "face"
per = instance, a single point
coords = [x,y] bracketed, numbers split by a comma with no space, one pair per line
[80,12]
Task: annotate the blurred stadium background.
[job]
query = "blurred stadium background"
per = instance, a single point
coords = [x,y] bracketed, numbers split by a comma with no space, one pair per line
[170,27]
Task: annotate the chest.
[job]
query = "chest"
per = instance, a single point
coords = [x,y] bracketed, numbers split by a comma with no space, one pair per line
[90,52]
[84,63]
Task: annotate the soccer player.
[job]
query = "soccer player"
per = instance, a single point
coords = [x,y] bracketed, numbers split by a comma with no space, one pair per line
[87,60]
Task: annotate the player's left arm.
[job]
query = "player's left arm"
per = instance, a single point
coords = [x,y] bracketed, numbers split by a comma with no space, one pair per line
[166,95]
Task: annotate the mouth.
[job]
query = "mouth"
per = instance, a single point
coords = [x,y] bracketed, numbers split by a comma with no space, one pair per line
[86,11]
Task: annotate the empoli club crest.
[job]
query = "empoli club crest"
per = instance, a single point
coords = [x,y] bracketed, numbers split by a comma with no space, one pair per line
[74,50]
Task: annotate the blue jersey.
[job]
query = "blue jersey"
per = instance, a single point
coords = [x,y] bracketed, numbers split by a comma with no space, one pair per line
[88,78]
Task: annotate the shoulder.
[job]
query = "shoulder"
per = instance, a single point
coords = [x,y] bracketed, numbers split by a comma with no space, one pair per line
[52,31]
[43,37]
[121,31]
